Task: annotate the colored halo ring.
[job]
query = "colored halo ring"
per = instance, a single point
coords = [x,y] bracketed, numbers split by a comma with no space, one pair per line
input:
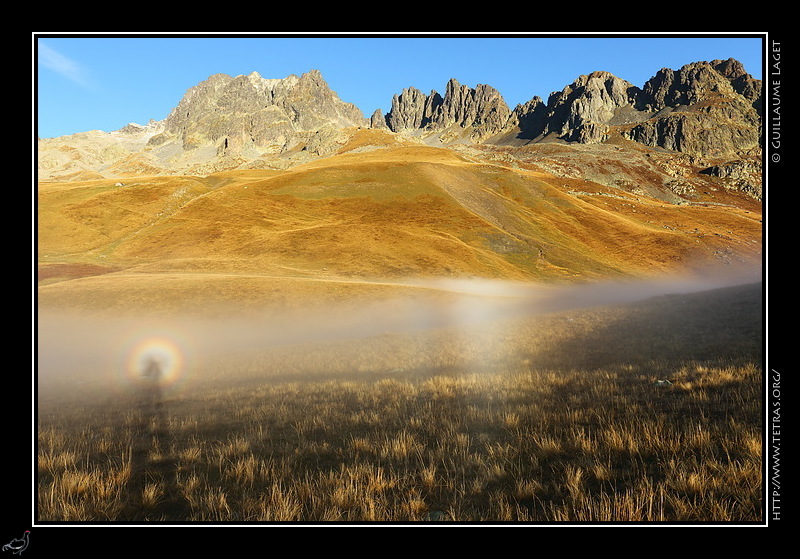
[163,352]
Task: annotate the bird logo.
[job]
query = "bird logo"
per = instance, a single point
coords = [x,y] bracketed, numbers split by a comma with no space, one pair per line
[18,545]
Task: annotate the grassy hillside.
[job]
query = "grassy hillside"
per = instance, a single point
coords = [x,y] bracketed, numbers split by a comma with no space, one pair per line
[370,213]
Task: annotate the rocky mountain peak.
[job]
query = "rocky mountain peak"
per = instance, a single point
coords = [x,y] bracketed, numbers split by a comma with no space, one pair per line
[248,113]
[730,68]
[704,108]
[687,86]
[583,110]
[480,110]
[264,84]
[412,110]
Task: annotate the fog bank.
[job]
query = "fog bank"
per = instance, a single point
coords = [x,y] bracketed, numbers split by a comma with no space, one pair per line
[77,349]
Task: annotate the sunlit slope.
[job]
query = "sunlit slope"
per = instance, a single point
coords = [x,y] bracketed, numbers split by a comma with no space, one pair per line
[86,220]
[392,213]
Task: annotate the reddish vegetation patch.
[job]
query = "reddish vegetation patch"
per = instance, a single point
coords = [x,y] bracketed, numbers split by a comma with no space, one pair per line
[70,271]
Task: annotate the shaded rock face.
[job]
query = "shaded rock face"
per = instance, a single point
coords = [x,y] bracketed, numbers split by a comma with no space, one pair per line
[529,118]
[705,108]
[235,113]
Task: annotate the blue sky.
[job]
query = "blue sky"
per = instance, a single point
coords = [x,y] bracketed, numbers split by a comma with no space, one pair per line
[103,82]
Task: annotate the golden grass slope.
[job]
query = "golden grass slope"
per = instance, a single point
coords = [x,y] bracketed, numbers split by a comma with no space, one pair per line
[373,212]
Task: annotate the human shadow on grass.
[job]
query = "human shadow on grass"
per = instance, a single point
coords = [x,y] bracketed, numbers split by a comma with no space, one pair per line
[152,493]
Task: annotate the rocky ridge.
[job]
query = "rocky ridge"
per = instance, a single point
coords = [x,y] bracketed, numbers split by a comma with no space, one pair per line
[676,110]
[703,110]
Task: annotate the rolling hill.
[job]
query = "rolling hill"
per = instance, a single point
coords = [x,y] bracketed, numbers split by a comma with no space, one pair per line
[380,209]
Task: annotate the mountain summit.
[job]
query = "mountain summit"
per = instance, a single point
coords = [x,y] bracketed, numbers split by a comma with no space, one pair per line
[246,116]
[704,109]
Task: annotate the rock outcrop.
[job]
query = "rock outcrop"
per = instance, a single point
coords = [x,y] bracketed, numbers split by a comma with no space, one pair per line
[481,109]
[377,120]
[412,110]
[743,175]
[583,111]
[480,112]
[245,115]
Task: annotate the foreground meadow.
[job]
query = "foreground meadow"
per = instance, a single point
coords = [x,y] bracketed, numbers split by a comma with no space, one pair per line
[641,412]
